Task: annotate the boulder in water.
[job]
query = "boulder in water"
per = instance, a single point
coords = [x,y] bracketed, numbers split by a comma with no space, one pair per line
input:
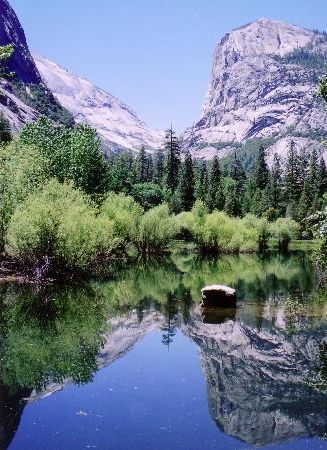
[218,295]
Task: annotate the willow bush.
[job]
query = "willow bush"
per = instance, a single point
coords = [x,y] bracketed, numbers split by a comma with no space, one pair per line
[22,171]
[156,230]
[59,224]
[217,232]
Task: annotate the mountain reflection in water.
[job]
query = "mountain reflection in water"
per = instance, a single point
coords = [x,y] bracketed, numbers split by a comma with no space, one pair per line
[263,362]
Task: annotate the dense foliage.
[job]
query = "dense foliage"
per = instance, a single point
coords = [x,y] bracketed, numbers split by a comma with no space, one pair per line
[64,207]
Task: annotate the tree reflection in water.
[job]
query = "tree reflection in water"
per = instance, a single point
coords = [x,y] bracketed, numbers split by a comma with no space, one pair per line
[261,374]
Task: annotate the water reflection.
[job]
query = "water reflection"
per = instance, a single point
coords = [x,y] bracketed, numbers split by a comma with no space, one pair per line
[263,361]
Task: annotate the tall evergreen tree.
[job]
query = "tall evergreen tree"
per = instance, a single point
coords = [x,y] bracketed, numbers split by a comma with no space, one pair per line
[215,198]
[142,166]
[322,177]
[186,184]
[173,159]
[274,187]
[261,172]
[149,168]
[5,130]
[233,206]
[158,167]
[303,163]
[237,173]
[293,176]
[202,182]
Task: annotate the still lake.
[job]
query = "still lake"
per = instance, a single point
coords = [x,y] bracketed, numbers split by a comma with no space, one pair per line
[135,364]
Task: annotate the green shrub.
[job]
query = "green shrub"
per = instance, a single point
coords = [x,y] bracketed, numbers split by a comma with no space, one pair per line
[284,230]
[59,226]
[125,214]
[148,194]
[22,171]
[74,154]
[156,229]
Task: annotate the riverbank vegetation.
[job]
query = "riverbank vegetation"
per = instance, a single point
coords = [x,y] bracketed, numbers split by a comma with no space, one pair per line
[67,208]
[63,213]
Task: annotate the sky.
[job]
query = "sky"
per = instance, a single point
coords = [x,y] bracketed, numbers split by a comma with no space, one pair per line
[155,55]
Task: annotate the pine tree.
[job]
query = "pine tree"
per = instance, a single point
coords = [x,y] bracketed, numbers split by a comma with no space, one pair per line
[186,184]
[173,159]
[233,205]
[237,174]
[5,130]
[304,207]
[293,176]
[215,198]
[142,166]
[149,168]
[158,167]
[322,177]
[274,188]
[313,179]
[303,163]
[261,172]
[202,182]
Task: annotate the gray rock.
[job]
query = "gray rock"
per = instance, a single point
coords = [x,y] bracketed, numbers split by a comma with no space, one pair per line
[260,88]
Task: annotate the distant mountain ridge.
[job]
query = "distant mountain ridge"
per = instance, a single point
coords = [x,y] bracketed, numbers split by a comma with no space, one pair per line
[263,84]
[63,97]
[117,124]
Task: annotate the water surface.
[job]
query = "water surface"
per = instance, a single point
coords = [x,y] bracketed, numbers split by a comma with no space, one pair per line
[136,364]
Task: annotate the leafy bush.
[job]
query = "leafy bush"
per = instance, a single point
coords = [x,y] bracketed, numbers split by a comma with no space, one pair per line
[57,227]
[74,154]
[22,171]
[125,214]
[217,232]
[148,194]
[156,230]
[284,230]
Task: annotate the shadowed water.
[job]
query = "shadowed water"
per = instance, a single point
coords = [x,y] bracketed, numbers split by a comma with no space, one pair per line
[135,363]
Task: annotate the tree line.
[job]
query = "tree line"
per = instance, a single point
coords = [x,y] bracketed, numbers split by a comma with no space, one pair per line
[293,187]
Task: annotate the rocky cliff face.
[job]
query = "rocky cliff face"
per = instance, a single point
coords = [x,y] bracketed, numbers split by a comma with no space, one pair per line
[11,32]
[55,91]
[256,370]
[263,85]
[257,376]
[115,122]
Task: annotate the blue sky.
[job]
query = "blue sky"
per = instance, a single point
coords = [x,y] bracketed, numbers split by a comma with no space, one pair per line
[155,55]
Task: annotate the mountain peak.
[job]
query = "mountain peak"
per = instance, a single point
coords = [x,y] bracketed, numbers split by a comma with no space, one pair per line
[265,36]
[11,32]
[116,123]
[260,88]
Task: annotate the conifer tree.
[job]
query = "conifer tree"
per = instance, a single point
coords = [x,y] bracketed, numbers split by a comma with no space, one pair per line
[304,207]
[5,130]
[142,166]
[202,182]
[186,184]
[274,188]
[149,176]
[233,205]
[322,177]
[158,167]
[261,172]
[215,198]
[237,174]
[173,159]
[293,176]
